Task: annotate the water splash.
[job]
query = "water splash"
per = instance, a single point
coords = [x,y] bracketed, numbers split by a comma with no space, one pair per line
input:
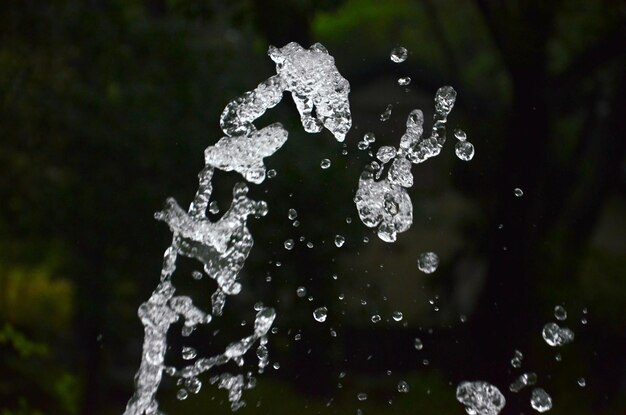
[382,199]
[222,246]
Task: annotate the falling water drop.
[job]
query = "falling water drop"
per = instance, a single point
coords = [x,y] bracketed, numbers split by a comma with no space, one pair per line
[417,343]
[325,163]
[540,400]
[403,387]
[189,353]
[301,292]
[375,318]
[399,54]
[289,244]
[320,314]
[560,313]
[404,81]
[518,192]
[397,315]
[387,113]
[339,241]
[464,150]
[292,214]
[428,262]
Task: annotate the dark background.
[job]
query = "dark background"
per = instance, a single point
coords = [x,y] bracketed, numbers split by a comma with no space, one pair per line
[107,105]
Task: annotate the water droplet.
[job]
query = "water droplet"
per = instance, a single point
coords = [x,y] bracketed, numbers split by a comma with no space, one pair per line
[399,54]
[581,382]
[397,315]
[417,343]
[557,336]
[518,192]
[189,353]
[404,81]
[516,361]
[428,262]
[182,394]
[320,314]
[558,357]
[540,400]
[214,208]
[301,292]
[444,100]
[292,214]
[403,387]
[339,241]
[348,220]
[560,313]
[362,396]
[196,275]
[271,173]
[369,137]
[276,365]
[325,163]
[193,385]
[480,398]
[464,150]
[375,318]
[289,244]
[522,381]
[387,113]
[363,145]
[460,135]
[309,245]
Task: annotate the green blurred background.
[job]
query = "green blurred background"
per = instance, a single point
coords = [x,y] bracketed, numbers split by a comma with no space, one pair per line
[107,105]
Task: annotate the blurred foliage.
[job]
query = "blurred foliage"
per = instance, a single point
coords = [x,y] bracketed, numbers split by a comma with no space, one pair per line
[107,105]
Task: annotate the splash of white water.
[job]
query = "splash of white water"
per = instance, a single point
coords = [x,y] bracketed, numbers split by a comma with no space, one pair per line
[223,246]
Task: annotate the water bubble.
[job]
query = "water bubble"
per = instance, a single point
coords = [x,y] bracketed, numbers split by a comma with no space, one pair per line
[518,192]
[301,291]
[560,313]
[480,398]
[196,275]
[271,173]
[348,220]
[581,382]
[417,343]
[339,241]
[325,163]
[320,314]
[362,396]
[464,150]
[387,113]
[276,365]
[557,336]
[289,244]
[460,135]
[399,54]
[403,387]
[309,245]
[397,315]
[540,400]
[363,145]
[428,262]
[404,81]
[375,318]
[189,353]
